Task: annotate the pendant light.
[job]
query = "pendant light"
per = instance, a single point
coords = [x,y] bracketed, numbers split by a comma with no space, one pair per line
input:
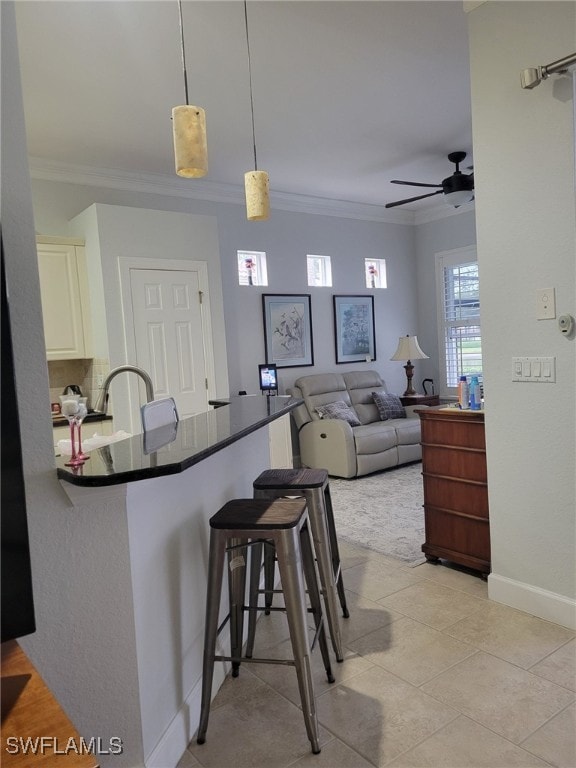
[189,128]
[256,183]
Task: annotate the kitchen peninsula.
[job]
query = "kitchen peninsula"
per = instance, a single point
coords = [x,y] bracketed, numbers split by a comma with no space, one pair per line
[133,569]
[174,448]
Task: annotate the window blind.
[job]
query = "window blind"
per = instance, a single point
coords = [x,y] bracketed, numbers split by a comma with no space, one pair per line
[461,311]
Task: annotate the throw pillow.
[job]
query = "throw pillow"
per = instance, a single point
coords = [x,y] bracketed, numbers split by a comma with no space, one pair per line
[338,410]
[389,406]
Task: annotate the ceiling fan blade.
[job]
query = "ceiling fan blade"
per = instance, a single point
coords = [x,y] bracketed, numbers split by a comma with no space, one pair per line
[414,183]
[411,199]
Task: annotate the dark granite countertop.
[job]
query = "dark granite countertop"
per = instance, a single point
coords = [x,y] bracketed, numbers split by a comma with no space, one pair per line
[62,421]
[172,449]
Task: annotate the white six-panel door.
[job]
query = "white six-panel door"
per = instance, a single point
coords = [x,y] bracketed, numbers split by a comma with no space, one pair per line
[169,335]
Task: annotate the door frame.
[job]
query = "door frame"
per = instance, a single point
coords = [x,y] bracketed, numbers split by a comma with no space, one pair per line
[125,266]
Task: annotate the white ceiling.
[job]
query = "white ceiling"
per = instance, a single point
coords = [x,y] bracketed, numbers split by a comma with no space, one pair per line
[347,95]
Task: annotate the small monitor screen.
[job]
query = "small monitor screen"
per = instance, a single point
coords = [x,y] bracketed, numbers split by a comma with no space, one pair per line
[268,377]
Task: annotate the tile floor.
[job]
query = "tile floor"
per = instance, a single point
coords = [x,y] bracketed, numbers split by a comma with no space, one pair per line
[434,675]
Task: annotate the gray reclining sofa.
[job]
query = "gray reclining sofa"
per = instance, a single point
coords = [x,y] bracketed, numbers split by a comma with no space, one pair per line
[351,451]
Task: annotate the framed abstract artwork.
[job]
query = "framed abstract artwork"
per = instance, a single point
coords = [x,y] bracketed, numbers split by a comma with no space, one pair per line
[354,329]
[288,329]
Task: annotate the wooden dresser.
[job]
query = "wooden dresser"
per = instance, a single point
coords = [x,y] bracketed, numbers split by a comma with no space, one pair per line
[455,487]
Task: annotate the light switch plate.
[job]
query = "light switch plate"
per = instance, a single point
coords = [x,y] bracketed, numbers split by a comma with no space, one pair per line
[545,304]
[536,369]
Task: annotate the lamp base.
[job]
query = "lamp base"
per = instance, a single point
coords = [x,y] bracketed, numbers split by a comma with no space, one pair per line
[409,368]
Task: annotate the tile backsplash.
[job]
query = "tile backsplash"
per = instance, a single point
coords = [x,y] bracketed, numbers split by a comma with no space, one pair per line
[85,373]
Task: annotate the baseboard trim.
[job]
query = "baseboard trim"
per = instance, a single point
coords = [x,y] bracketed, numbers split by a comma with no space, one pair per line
[538,602]
[169,750]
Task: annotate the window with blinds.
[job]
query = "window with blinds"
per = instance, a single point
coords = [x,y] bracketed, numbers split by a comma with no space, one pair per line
[459,322]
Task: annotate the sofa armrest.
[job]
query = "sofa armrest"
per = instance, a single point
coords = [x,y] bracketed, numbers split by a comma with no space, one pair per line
[301,415]
[328,444]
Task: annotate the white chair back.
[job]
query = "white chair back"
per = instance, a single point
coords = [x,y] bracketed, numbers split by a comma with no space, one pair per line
[159,420]
[159,413]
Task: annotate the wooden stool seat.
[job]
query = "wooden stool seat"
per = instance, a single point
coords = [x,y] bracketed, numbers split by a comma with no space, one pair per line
[243,514]
[298,479]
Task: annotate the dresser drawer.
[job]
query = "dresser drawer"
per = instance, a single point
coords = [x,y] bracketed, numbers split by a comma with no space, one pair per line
[461,535]
[455,462]
[458,495]
[454,432]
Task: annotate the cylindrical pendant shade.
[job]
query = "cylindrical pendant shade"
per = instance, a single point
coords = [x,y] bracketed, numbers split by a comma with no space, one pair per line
[190,150]
[257,184]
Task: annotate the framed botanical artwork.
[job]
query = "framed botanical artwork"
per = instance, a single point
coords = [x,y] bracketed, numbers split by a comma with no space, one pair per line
[288,329]
[354,329]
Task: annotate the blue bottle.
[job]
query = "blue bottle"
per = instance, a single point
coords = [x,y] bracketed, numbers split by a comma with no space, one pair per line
[475,396]
[463,393]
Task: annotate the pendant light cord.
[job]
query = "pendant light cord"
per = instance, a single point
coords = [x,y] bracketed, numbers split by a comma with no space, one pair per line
[250,79]
[183,53]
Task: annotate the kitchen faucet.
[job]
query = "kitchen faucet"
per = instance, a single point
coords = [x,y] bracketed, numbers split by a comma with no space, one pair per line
[102,404]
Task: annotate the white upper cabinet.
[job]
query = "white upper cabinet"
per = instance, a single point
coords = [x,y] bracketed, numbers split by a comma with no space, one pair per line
[65,298]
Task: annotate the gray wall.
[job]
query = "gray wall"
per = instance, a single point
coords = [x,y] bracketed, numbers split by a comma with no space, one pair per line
[524,167]
[114,234]
[286,238]
[53,536]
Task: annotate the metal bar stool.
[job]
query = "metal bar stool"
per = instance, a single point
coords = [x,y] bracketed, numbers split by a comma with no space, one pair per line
[313,485]
[283,524]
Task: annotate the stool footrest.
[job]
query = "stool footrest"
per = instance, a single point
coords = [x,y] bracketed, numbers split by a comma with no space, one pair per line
[247,608]
[236,660]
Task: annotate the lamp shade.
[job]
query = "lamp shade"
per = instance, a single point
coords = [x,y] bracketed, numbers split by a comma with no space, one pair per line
[190,149]
[257,185]
[408,349]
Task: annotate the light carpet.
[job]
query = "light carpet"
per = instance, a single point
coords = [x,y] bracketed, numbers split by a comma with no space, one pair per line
[382,512]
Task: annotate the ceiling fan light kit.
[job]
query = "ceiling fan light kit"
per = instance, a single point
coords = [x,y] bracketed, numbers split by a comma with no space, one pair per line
[457,189]
[189,129]
[458,197]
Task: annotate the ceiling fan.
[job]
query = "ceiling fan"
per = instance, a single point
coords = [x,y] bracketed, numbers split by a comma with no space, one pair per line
[457,189]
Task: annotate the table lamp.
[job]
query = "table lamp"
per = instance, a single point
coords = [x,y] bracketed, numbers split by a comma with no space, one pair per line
[408,349]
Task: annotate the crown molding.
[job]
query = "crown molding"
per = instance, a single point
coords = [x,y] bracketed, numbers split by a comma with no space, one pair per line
[211,191]
[471,5]
[160,184]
